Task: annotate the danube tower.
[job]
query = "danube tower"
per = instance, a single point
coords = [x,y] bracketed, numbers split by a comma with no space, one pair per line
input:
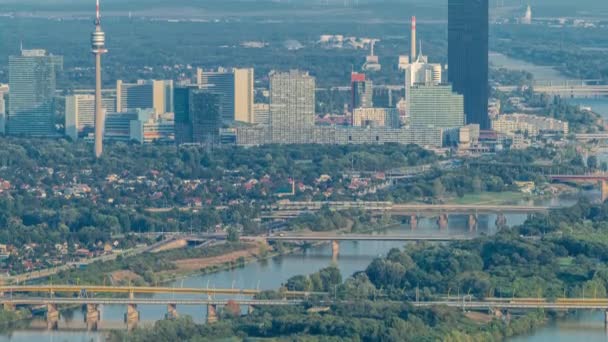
[98,39]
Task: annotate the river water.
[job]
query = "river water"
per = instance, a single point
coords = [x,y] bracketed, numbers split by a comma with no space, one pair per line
[269,274]
[587,326]
[354,257]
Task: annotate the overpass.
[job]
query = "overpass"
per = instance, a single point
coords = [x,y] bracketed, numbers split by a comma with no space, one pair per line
[601,178]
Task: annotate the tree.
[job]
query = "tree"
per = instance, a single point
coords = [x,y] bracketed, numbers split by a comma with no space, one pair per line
[592,163]
[438,188]
[233,235]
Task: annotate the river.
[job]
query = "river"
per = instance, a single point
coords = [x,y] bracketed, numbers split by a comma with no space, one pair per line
[354,257]
[585,325]
[268,274]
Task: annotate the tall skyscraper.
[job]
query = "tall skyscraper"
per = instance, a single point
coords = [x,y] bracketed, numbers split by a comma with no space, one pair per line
[436,106]
[468,26]
[244,95]
[198,116]
[32,81]
[236,88]
[98,41]
[155,94]
[292,107]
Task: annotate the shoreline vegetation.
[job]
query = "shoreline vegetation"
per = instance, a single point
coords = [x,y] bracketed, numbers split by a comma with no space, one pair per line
[540,259]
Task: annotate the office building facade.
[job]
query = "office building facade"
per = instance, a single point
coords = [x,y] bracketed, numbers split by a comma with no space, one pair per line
[468,29]
[33,82]
[80,113]
[292,106]
[436,106]
[139,125]
[198,116]
[236,86]
[155,94]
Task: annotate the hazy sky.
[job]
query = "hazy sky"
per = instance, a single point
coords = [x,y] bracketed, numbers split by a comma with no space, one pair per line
[541,7]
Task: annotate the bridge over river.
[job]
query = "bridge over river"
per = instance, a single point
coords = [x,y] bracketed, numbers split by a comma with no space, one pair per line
[91,297]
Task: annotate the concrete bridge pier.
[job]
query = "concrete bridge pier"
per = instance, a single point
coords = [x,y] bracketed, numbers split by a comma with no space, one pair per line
[413,222]
[92,317]
[172,312]
[335,249]
[473,221]
[442,221]
[211,313]
[501,221]
[132,316]
[250,309]
[52,317]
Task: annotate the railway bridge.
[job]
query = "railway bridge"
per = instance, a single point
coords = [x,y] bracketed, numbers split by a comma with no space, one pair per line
[288,209]
[600,178]
[91,297]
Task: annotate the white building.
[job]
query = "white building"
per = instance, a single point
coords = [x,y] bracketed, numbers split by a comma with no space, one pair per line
[80,113]
[532,125]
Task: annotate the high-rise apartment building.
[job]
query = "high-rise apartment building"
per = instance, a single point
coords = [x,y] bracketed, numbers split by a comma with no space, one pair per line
[261,114]
[292,106]
[80,113]
[376,117]
[436,106]
[155,94]
[236,88]
[468,29]
[33,81]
